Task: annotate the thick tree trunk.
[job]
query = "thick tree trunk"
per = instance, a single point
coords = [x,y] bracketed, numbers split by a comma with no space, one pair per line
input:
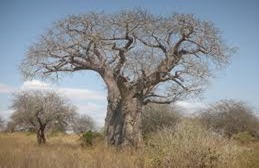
[123,119]
[41,137]
[123,122]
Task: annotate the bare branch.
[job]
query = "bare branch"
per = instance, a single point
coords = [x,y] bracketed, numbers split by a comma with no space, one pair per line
[159,45]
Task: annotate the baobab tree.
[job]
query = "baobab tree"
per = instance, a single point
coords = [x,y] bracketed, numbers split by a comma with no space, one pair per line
[39,111]
[142,58]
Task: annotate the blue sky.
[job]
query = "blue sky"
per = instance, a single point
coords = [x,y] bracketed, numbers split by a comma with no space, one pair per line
[22,22]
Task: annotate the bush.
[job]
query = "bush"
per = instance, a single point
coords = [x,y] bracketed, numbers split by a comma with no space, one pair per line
[89,138]
[155,117]
[189,144]
[230,117]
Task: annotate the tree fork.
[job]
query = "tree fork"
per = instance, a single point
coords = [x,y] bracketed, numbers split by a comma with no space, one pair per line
[41,137]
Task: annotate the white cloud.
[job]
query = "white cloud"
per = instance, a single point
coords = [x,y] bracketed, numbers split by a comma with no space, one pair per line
[91,107]
[72,93]
[82,94]
[35,84]
[5,88]
[191,107]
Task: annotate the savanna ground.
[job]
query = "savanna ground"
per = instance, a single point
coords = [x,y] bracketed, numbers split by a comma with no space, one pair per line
[186,145]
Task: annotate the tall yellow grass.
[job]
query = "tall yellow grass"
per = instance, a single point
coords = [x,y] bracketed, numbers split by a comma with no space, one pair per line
[19,150]
[189,145]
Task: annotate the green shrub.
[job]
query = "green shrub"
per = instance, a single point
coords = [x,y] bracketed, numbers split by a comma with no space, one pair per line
[89,138]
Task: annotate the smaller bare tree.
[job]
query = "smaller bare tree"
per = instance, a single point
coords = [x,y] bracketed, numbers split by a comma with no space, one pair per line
[82,124]
[230,117]
[39,111]
[156,116]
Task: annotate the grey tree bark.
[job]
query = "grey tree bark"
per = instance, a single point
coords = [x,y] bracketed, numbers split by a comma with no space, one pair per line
[123,123]
[123,119]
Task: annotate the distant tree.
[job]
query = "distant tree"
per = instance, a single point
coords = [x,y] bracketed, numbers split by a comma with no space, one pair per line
[155,117]
[59,126]
[82,123]
[141,57]
[1,123]
[39,111]
[10,127]
[230,117]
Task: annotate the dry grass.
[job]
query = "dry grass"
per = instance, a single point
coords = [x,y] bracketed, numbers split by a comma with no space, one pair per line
[189,145]
[19,150]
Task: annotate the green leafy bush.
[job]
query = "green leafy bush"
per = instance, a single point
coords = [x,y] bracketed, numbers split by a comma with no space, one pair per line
[89,138]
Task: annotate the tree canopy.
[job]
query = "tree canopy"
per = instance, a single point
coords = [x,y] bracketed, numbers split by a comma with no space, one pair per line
[168,57]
